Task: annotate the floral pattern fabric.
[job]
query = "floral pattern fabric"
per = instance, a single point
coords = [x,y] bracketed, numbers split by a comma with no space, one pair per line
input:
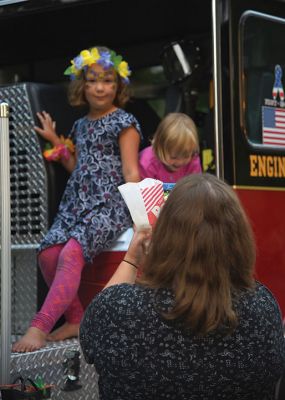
[92,210]
[139,355]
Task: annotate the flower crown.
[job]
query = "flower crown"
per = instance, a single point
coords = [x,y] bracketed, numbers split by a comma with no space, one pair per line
[108,59]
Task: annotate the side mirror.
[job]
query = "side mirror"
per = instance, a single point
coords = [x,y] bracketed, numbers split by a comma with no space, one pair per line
[179,60]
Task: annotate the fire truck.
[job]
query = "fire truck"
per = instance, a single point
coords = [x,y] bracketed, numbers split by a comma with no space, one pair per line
[219,61]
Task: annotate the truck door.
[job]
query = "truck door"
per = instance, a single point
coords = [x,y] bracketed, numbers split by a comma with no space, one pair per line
[257,129]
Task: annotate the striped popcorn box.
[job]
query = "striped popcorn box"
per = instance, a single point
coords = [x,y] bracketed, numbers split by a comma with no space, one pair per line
[144,200]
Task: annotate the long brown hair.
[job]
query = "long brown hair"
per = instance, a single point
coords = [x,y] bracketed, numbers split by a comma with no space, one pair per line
[76,95]
[203,249]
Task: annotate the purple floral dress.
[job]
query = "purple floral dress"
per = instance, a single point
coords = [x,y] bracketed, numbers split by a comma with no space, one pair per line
[92,210]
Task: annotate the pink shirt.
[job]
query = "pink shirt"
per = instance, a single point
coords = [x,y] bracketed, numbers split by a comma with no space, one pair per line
[151,167]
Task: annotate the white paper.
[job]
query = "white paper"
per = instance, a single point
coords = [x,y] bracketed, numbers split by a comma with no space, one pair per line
[144,200]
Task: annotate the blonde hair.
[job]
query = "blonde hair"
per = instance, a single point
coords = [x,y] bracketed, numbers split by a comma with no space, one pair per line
[203,249]
[76,94]
[176,133]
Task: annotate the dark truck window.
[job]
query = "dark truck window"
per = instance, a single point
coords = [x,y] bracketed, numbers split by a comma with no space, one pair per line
[150,84]
[147,102]
[262,58]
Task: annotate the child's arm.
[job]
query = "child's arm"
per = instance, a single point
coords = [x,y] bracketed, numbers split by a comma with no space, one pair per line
[48,133]
[129,141]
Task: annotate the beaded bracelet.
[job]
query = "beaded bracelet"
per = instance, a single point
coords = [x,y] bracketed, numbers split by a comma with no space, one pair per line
[128,262]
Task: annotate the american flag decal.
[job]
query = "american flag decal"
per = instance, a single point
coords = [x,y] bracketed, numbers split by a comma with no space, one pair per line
[273,126]
[152,196]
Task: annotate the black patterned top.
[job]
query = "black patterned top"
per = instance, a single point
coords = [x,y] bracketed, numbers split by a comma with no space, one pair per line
[92,210]
[140,356]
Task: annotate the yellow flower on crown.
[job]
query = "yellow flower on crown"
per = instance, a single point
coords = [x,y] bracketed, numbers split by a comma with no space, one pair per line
[123,69]
[95,54]
[89,57]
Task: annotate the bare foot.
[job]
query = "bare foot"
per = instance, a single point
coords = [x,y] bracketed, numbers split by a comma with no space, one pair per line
[66,331]
[33,340]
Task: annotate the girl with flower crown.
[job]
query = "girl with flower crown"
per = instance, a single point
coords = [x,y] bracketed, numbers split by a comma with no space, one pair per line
[92,213]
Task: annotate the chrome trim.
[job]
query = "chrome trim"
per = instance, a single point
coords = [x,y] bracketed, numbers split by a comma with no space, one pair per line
[217,85]
[5,245]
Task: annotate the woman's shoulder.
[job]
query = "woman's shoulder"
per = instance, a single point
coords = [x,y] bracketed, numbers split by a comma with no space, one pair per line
[123,293]
[263,292]
[261,303]
[120,288]
[124,290]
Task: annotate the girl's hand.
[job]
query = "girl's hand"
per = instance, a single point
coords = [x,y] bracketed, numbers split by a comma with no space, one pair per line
[138,247]
[48,128]
[48,133]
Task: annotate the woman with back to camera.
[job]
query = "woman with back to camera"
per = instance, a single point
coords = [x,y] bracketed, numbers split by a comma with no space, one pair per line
[196,324]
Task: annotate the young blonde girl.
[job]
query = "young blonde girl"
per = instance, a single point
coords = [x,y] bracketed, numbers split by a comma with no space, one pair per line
[92,213]
[174,150]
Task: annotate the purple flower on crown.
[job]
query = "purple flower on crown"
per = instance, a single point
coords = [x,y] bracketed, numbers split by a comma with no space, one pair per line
[105,60]
[78,62]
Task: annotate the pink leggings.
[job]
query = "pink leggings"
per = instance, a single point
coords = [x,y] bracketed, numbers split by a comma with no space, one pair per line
[61,266]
